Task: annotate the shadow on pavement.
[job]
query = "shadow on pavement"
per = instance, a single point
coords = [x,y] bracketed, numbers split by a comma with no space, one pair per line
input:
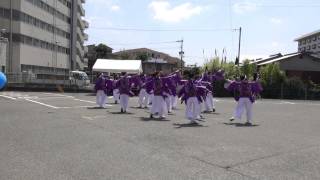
[181,125]
[96,108]
[153,119]
[210,112]
[137,107]
[127,113]
[240,124]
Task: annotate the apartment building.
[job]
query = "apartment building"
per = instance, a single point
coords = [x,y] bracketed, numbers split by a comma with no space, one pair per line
[45,36]
[309,43]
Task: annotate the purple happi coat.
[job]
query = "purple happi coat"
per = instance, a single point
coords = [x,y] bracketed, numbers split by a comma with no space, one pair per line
[158,86]
[192,89]
[124,86]
[245,88]
[101,84]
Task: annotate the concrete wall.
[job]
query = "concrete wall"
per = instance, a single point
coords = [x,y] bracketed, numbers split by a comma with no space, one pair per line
[33,56]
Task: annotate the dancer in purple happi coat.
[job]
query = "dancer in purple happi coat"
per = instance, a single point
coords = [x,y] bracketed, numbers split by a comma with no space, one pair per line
[124,84]
[247,90]
[208,80]
[158,86]
[192,94]
[101,90]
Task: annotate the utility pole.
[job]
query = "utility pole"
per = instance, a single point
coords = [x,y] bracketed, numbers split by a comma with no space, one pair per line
[238,58]
[181,53]
[10,69]
[54,40]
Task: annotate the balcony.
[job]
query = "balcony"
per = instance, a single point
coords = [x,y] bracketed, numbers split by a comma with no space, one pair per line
[86,37]
[86,24]
[81,10]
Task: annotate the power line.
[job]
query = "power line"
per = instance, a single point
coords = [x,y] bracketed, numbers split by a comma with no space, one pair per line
[148,43]
[160,30]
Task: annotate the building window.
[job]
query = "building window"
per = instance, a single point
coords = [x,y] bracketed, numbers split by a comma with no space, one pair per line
[309,47]
[314,46]
[315,38]
[309,40]
[303,42]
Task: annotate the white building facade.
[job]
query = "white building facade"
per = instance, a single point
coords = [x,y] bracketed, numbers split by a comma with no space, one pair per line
[45,36]
[310,43]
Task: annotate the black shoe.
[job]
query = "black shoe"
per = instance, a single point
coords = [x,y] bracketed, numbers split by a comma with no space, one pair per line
[213,110]
[116,102]
[248,124]
[231,119]
[151,116]
[121,110]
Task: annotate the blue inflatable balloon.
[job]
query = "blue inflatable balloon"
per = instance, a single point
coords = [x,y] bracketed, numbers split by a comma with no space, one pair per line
[3,80]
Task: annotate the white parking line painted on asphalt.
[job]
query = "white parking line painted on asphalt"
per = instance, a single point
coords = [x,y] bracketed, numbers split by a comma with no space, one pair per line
[84,101]
[74,107]
[43,104]
[56,94]
[8,97]
[92,102]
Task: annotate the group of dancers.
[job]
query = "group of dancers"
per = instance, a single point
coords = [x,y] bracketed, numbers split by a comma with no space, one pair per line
[160,93]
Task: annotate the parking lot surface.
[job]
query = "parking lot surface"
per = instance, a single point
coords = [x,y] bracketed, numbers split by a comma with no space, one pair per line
[45,135]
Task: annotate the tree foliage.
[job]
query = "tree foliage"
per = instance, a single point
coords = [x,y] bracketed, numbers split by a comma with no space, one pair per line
[143,56]
[103,51]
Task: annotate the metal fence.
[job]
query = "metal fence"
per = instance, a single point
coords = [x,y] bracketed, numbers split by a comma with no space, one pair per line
[33,79]
[46,81]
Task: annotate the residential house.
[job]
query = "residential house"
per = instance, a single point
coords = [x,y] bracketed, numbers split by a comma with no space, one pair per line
[152,60]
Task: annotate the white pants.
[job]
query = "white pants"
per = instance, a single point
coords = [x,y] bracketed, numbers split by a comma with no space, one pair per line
[159,106]
[244,103]
[101,98]
[124,99]
[209,103]
[168,103]
[143,98]
[174,101]
[150,98]
[116,95]
[193,108]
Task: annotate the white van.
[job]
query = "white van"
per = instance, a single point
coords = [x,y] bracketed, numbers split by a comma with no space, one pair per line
[79,79]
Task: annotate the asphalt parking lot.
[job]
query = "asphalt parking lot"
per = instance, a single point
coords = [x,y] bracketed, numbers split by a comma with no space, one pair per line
[46,135]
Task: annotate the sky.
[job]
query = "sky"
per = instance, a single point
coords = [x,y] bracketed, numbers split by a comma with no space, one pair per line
[206,26]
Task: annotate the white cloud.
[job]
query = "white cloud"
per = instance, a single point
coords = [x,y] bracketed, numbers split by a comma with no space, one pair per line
[244,7]
[163,11]
[115,8]
[275,20]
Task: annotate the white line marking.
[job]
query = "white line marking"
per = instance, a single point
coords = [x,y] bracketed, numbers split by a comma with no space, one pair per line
[84,101]
[44,98]
[86,117]
[9,97]
[76,107]
[56,94]
[43,104]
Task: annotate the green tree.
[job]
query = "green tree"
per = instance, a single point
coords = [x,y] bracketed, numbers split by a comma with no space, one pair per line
[142,56]
[247,68]
[103,51]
